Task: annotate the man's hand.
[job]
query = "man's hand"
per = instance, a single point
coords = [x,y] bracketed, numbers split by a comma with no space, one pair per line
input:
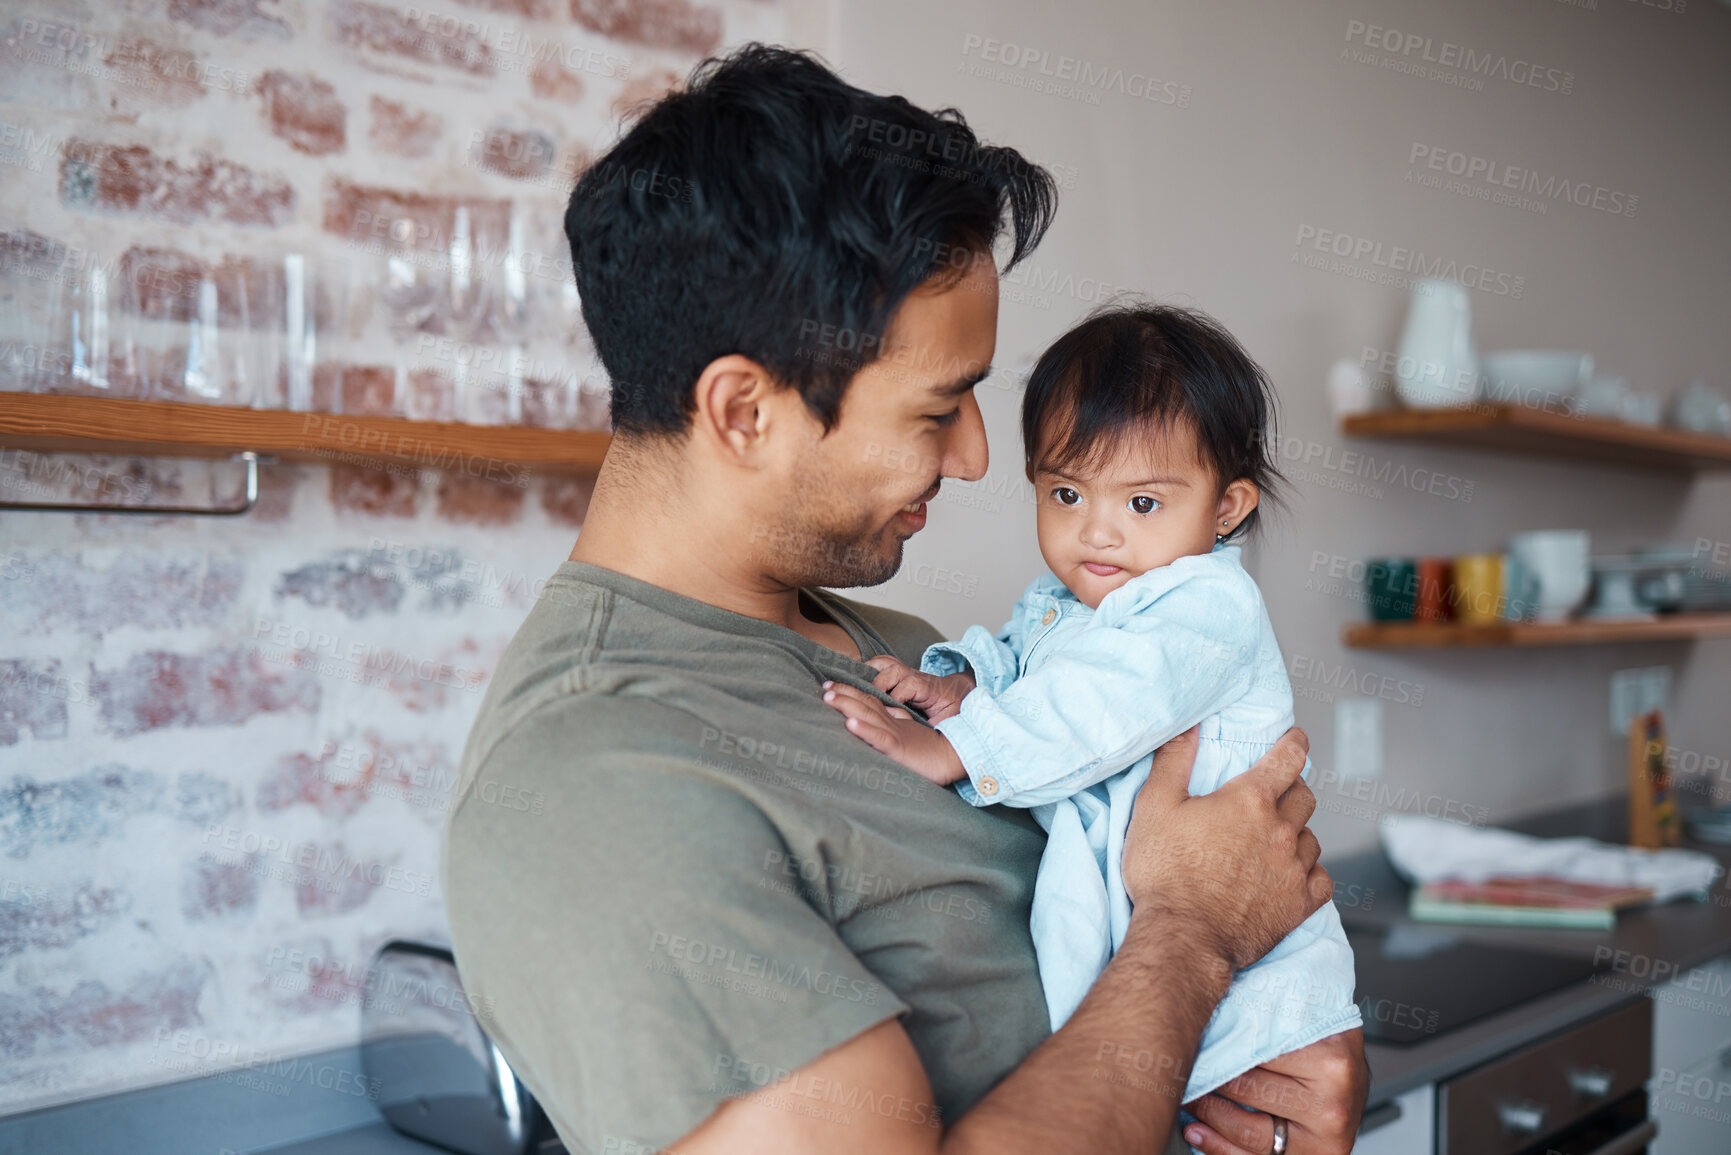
[940,697]
[1319,1090]
[896,734]
[1235,870]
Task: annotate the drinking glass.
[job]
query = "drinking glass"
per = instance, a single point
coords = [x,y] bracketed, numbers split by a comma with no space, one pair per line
[73,320]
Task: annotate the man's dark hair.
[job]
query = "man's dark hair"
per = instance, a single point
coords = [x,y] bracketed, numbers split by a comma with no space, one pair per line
[1132,369]
[772,210]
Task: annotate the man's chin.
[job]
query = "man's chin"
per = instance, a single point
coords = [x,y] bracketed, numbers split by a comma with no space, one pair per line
[861,566]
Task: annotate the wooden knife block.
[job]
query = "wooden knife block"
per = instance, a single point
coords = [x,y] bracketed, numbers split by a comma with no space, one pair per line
[1653,819]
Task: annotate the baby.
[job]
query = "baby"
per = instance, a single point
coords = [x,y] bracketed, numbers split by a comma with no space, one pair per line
[1146,430]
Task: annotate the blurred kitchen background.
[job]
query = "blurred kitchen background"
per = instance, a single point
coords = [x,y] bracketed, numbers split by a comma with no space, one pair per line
[226,743]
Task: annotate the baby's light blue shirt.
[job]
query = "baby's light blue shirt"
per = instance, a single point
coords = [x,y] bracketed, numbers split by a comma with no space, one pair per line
[1070,705]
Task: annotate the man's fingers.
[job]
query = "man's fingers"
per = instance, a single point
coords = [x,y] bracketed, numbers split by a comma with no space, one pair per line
[1320,886]
[1276,771]
[1264,1090]
[1297,804]
[1309,849]
[1169,780]
[1229,1128]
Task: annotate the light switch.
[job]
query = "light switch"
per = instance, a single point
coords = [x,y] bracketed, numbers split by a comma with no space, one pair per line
[1358,737]
[1637,691]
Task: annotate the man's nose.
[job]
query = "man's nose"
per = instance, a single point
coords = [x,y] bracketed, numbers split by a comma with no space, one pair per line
[965,454]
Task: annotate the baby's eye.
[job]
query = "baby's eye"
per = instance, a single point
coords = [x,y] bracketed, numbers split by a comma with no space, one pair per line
[1066,495]
[1143,504]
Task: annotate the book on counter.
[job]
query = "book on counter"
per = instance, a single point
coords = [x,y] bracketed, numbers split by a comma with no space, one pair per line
[1535,900]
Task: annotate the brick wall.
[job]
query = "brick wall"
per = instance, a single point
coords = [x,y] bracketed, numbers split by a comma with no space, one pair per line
[226,745]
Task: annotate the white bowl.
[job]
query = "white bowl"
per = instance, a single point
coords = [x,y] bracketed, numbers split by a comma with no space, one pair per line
[1535,378]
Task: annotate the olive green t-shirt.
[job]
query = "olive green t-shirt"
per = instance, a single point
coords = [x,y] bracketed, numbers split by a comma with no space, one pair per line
[673,876]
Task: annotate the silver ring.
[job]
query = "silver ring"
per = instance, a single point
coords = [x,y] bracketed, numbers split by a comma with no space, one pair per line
[1279,1136]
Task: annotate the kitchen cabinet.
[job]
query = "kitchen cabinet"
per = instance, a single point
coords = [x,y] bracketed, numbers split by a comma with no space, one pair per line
[1691,1085]
[1411,1131]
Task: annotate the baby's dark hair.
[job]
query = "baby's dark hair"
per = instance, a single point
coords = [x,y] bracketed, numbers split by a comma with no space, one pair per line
[1131,369]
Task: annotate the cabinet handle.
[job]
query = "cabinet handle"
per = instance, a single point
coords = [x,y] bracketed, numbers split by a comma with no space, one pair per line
[1593,1083]
[1524,1118]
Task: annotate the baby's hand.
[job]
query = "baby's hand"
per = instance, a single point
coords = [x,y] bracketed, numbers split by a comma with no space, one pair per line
[896,734]
[939,697]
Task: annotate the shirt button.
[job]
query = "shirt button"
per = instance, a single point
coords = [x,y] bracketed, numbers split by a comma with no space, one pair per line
[988,786]
[1046,618]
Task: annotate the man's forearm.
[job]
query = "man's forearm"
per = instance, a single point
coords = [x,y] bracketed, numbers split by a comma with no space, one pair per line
[1110,1080]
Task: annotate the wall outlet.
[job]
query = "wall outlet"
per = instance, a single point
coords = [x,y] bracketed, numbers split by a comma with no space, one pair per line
[1635,692]
[1358,737]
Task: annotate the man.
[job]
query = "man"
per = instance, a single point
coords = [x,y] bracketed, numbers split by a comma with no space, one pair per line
[704,916]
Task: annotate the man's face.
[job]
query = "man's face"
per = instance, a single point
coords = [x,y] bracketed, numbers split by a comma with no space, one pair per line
[908,420]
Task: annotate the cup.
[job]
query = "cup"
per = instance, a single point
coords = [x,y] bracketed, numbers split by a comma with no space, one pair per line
[1477,593]
[1391,588]
[1432,602]
[1437,366]
[1701,409]
[1603,397]
[1559,560]
[1520,590]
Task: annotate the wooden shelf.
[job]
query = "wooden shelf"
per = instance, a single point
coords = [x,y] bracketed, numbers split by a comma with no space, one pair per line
[76,424]
[1452,635]
[1515,429]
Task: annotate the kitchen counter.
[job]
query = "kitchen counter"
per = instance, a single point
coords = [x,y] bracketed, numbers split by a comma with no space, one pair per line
[1667,941]
[300,1118]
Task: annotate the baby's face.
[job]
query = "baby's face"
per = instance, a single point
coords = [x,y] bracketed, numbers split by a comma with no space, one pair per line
[1149,504]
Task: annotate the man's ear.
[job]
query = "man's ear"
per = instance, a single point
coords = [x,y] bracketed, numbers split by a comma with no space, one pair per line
[1236,503]
[732,413]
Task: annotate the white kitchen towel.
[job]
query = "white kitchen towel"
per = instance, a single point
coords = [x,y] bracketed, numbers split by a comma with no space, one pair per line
[1425,849]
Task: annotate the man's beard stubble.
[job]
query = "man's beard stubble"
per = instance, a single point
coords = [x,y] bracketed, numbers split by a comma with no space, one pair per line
[812,548]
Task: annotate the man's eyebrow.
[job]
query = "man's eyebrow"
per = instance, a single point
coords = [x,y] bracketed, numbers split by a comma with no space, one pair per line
[962,384]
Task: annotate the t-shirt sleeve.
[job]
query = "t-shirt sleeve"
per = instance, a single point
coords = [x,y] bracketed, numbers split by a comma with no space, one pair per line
[621,918]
